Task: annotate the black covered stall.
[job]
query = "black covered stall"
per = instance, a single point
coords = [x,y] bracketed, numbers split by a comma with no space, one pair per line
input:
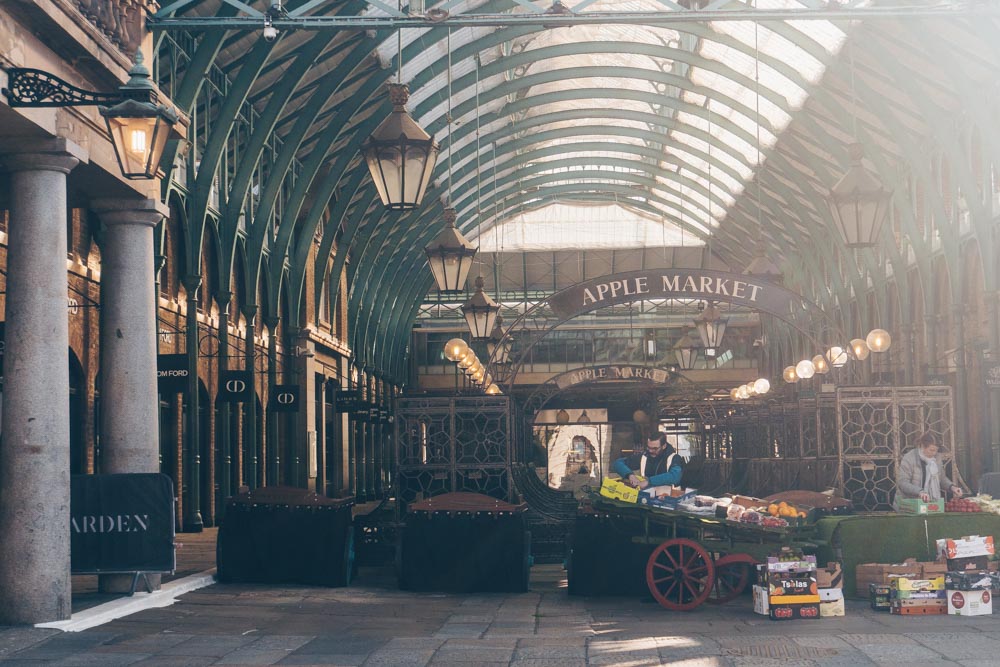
[286,535]
[603,559]
[465,543]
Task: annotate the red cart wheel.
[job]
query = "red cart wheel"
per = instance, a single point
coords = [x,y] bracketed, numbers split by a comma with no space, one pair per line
[732,574]
[679,574]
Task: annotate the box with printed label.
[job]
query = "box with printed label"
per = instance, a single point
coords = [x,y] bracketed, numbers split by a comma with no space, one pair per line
[973,545]
[970,603]
[617,490]
[879,594]
[785,612]
[880,573]
[669,502]
[780,584]
[760,601]
[831,594]
[918,506]
[928,608]
[918,595]
[968,581]
[832,608]
[968,563]
[908,584]
[799,564]
[831,576]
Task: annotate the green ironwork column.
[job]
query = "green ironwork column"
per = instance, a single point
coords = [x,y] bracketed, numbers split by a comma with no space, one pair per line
[271,449]
[192,520]
[223,432]
[250,406]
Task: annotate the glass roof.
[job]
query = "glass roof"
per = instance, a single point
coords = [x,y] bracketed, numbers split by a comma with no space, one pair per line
[688,112]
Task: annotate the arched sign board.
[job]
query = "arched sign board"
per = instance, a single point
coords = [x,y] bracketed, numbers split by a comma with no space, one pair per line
[615,372]
[734,288]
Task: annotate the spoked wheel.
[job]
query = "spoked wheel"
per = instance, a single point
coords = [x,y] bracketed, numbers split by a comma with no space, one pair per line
[680,574]
[732,574]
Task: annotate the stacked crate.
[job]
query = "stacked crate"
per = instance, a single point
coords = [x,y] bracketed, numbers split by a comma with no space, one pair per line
[786,586]
[968,582]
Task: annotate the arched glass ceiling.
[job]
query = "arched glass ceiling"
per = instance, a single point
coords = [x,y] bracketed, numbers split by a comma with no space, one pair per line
[581,226]
[695,97]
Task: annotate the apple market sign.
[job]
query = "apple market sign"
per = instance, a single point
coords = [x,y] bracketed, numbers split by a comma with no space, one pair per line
[721,286]
[616,372]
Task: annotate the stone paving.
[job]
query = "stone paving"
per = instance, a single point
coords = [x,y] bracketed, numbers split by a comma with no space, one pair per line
[371,623]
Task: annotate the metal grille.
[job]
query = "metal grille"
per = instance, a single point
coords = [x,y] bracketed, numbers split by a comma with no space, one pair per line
[876,427]
[455,444]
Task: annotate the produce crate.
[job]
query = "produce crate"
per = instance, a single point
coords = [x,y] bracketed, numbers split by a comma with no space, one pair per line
[918,506]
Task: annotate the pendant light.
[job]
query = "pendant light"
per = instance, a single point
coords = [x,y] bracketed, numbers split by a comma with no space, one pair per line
[584,418]
[480,312]
[859,201]
[687,353]
[450,253]
[499,343]
[711,327]
[400,154]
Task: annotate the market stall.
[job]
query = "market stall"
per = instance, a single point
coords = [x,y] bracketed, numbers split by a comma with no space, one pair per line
[464,543]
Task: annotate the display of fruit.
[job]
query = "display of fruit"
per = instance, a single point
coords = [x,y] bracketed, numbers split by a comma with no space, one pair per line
[962,505]
[785,511]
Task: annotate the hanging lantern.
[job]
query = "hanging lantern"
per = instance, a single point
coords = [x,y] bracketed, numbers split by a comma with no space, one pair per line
[139,128]
[836,356]
[687,353]
[456,349]
[790,375]
[584,418]
[562,417]
[480,312]
[450,256]
[762,268]
[820,364]
[859,202]
[859,348]
[805,369]
[878,340]
[711,327]
[400,155]
[499,345]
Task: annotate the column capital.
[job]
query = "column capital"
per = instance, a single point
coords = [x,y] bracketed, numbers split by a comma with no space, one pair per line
[52,154]
[113,212]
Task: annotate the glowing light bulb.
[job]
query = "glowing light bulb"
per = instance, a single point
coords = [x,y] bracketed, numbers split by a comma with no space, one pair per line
[859,348]
[762,386]
[878,340]
[820,365]
[790,375]
[805,369]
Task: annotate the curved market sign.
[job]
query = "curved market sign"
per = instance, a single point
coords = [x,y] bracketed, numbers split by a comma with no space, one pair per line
[735,288]
[614,372]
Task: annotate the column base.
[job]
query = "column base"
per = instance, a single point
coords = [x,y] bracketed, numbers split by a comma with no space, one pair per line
[193,524]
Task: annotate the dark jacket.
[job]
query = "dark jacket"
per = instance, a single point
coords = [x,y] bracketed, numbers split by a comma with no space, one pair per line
[665,468]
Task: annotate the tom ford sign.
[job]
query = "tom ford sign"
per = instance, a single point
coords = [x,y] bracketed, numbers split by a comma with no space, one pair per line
[705,284]
[611,373]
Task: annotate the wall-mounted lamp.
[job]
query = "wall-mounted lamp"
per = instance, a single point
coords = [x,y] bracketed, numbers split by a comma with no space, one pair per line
[139,127]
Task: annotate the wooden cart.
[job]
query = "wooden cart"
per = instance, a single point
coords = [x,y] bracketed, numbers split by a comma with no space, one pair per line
[701,558]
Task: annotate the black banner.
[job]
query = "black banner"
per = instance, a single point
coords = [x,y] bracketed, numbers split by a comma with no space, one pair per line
[171,373]
[284,398]
[122,523]
[235,386]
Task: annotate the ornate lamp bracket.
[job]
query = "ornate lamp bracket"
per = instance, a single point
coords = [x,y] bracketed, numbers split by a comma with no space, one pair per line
[28,87]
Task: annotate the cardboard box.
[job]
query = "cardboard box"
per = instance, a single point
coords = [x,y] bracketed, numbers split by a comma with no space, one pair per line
[968,581]
[797,564]
[929,608]
[918,506]
[968,563]
[761,604]
[786,612]
[833,607]
[917,595]
[931,569]
[970,603]
[669,502]
[618,490]
[780,584]
[830,576]
[879,595]
[831,594]
[908,584]
[973,545]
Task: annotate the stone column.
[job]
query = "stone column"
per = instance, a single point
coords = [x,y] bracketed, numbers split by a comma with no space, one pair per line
[130,433]
[34,455]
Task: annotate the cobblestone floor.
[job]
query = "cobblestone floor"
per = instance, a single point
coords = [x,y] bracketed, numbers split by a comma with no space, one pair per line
[371,623]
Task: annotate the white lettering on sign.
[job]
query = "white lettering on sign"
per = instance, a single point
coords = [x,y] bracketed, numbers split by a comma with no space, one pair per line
[286,398]
[615,289]
[121,523]
[236,386]
[74,306]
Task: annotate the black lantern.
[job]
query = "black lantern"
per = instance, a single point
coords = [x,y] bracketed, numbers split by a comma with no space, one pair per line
[499,345]
[450,256]
[687,353]
[480,312]
[139,128]
[859,203]
[400,155]
[711,327]
[762,267]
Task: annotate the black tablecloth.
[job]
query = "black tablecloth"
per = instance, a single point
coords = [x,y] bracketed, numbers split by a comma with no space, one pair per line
[603,559]
[464,552]
[262,542]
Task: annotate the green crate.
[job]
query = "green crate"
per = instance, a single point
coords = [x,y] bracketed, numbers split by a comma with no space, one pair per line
[917,506]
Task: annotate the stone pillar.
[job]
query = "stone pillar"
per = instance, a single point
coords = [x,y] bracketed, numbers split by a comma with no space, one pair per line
[34,457]
[130,433]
